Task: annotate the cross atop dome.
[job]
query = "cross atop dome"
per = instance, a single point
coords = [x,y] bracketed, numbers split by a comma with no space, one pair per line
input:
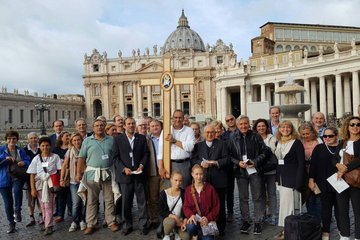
[183,22]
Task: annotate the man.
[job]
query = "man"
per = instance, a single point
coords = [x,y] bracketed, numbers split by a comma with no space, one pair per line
[182,143]
[153,178]
[197,134]
[186,120]
[119,123]
[81,127]
[58,127]
[131,156]
[227,135]
[32,149]
[274,113]
[96,150]
[318,121]
[248,152]
[211,154]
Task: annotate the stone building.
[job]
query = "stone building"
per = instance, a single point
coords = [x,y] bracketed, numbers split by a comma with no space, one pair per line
[18,110]
[112,85]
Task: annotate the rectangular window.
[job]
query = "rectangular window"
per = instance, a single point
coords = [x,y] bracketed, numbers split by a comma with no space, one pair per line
[320,36]
[328,36]
[129,110]
[21,116]
[63,114]
[312,35]
[10,119]
[69,115]
[74,115]
[279,34]
[31,116]
[186,108]
[296,34]
[219,59]
[304,34]
[49,114]
[80,114]
[336,37]
[95,67]
[56,115]
[113,68]
[344,37]
[157,109]
[287,33]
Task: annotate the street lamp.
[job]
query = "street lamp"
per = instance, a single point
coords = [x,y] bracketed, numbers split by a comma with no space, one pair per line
[42,107]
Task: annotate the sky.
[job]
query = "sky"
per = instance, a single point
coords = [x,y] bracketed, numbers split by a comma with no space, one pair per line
[43,42]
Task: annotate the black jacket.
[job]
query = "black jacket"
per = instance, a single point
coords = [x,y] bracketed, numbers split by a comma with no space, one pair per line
[356,161]
[256,151]
[121,155]
[214,175]
[164,209]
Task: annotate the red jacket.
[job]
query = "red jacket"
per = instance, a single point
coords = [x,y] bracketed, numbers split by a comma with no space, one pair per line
[208,202]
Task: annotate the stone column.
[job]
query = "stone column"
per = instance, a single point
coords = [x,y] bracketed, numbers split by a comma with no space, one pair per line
[347,94]
[223,103]
[219,103]
[173,106]
[330,96]
[268,94]
[242,100]
[105,100]
[88,111]
[262,95]
[322,90]
[192,100]
[139,100]
[135,99]
[355,90]
[307,98]
[178,97]
[121,99]
[339,97]
[277,96]
[149,100]
[313,96]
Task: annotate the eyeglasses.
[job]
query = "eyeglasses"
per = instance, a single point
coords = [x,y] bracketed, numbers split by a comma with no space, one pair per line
[228,120]
[328,136]
[354,124]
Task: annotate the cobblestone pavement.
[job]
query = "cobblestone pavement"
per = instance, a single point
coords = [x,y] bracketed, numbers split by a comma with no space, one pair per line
[61,229]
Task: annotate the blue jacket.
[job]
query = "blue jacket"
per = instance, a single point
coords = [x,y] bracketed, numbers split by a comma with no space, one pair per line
[5,178]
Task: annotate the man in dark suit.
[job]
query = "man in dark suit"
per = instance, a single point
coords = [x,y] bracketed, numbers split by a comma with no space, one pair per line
[131,156]
[211,154]
[58,126]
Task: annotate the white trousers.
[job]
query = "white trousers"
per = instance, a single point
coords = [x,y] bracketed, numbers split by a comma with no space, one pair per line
[287,203]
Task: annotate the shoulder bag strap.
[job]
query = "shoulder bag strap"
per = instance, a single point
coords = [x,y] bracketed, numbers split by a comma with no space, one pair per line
[45,170]
[196,203]
[173,207]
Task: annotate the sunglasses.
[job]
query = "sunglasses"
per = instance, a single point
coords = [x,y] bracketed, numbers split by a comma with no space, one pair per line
[329,136]
[355,124]
[228,120]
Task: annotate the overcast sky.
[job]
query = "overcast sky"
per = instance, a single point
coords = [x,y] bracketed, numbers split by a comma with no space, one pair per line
[43,42]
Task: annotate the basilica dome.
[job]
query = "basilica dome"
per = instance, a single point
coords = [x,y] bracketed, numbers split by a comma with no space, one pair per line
[184,38]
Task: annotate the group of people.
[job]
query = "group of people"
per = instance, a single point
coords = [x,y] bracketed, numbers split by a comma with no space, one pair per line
[125,158]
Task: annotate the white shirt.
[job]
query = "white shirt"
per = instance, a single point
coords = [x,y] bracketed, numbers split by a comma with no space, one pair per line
[185,136]
[171,201]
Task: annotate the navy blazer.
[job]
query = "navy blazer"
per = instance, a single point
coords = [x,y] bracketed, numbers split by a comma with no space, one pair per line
[216,176]
[53,139]
[122,159]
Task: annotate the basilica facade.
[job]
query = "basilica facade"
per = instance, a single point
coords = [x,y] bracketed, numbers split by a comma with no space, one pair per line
[324,59]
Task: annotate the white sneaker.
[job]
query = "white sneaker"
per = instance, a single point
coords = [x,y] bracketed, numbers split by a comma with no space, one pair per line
[344,238]
[177,237]
[166,237]
[73,227]
[82,225]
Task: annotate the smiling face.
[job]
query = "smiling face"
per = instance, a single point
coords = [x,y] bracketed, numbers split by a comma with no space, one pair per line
[354,127]
[209,133]
[76,142]
[130,125]
[285,130]
[178,119]
[329,137]
[243,125]
[45,148]
[261,128]
[197,174]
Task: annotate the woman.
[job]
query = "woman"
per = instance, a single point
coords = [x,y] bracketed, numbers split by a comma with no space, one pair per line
[69,169]
[206,198]
[10,153]
[63,197]
[170,206]
[261,127]
[219,129]
[320,169]
[41,167]
[110,129]
[309,138]
[349,147]
[290,170]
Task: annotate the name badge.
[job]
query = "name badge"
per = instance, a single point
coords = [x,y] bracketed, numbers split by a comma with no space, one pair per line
[105,157]
[244,158]
[131,155]
[44,164]
[281,162]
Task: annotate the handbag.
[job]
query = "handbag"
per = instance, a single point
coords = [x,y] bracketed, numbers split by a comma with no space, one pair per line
[160,228]
[211,228]
[352,177]
[18,172]
[271,163]
[55,179]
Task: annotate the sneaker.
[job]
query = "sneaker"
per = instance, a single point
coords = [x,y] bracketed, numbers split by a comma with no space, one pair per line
[82,225]
[113,227]
[89,230]
[177,237]
[245,227]
[166,237]
[17,217]
[11,228]
[230,217]
[31,223]
[257,229]
[59,219]
[73,227]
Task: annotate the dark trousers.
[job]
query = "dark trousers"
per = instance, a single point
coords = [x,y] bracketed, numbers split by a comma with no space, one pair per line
[221,222]
[352,194]
[8,199]
[128,190]
[328,202]
[313,205]
[63,198]
[230,191]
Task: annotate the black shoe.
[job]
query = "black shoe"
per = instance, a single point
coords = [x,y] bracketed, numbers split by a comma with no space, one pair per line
[245,227]
[31,223]
[17,217]
[127,231]
[11,228]
[144,231]
[154,225]
[257,229]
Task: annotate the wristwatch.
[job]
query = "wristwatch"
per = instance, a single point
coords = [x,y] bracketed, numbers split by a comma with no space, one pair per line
[174,140]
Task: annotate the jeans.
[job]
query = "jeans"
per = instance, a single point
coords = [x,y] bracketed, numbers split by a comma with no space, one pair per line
[78,208]
[62,199]
[256,187]
[195,229]
[313,205]
[270,191]
[8,199]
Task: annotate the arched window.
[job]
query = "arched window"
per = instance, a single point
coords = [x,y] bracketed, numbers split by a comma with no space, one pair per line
[313,49]
[279,48]
[201,86]
[288,48]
